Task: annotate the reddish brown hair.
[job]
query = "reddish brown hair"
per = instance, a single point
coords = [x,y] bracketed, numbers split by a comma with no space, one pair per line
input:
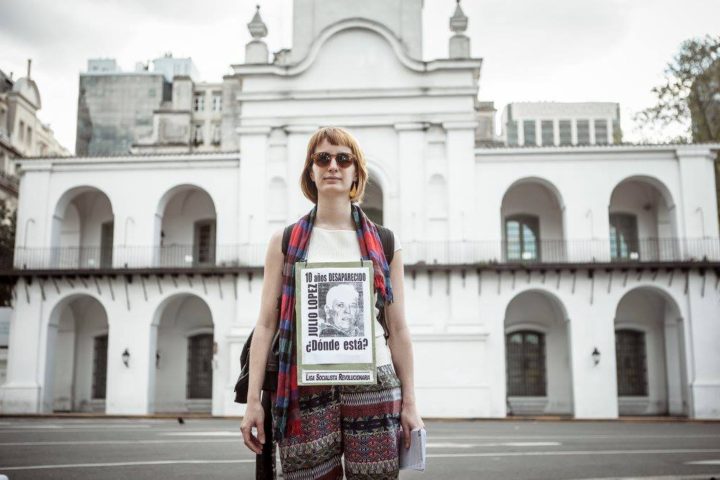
[339,137]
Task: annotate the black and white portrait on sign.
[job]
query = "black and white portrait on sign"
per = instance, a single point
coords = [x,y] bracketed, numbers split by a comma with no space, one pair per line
[341,309]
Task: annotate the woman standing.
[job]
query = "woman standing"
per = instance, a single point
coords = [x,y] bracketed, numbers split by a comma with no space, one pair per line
[316,425]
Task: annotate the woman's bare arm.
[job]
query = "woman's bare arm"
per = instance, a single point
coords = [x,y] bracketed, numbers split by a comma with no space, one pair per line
[262,338]
[401,347]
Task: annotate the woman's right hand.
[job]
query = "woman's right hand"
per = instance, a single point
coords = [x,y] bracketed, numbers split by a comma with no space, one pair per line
[254,417]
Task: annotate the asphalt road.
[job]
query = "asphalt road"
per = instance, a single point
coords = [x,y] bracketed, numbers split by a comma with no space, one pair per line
[155,449]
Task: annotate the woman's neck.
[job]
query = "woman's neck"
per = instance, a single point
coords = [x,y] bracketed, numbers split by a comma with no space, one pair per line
[334,214]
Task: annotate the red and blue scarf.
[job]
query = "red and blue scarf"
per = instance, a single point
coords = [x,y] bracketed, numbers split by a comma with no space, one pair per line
[286,411]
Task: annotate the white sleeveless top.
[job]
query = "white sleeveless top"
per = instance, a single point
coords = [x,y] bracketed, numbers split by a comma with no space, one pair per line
[342,246]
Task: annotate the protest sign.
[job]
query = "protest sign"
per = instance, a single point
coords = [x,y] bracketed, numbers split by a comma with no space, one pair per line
[335,327]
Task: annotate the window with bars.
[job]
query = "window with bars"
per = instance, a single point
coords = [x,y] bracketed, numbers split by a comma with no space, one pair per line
[631,363]
[106,244]
[525,358]
[623,237]
[565,131]
[199,102]
[204,246]
[522,237]
[99,376]
[512,133]
[199,368]
[529,132]
[548,132]
[198,136]
[583,132]
[216,102]
[601,132]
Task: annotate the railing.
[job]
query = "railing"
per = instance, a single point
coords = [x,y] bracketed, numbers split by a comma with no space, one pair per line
[414,253]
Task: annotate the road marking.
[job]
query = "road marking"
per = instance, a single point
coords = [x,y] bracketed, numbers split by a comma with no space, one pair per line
[112,442]
[203,434]
[704,476]
[123,464]
[73,427]
[558,437]
[495,444]
[571,452]
[704,462]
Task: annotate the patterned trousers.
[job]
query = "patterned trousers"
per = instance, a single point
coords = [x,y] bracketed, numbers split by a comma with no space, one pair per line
[361,422]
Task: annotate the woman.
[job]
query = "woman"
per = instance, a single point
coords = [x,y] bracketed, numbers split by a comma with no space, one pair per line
[314,426]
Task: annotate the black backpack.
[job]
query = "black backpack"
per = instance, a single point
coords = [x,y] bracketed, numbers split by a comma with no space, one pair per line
[270,383]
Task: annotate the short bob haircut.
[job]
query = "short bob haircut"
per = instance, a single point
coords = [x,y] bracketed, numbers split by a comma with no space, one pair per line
[339,137]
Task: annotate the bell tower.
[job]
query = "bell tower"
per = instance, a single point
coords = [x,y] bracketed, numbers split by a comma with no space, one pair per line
[402,17]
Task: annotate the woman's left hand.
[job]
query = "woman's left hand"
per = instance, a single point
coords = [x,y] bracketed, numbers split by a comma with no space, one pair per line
[410,420]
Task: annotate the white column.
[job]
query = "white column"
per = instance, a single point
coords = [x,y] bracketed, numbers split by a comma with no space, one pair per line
[128,387]
[591,126]
[34,217]
[697,181]
[556,131]
[673,364]
[298,137]
[702,334]
[594,387]
[23,390]
[460,145]
[573,131]
[411,146]
[253,184]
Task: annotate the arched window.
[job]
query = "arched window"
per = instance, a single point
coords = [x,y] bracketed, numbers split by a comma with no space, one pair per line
[631,363]
[522,237]
[624,237]
[525,356]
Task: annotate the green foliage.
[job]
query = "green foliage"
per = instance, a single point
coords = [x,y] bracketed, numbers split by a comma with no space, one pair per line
[690,94]
[7,246]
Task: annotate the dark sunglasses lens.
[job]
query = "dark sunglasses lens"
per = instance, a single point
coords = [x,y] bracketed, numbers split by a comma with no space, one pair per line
[343,160]
[323,159]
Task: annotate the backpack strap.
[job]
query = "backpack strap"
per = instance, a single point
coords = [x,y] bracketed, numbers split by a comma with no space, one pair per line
[286,238]
[388,242]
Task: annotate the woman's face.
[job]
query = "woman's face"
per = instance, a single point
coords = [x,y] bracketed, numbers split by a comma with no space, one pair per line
[333,179]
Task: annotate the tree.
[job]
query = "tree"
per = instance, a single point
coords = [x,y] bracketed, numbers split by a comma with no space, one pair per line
[690,95]
[7,246]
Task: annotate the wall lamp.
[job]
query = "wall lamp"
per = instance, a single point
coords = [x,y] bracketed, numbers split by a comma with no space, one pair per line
[126,358]
[596,356]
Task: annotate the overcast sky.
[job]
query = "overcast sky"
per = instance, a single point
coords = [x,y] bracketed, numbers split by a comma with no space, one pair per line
[533,50]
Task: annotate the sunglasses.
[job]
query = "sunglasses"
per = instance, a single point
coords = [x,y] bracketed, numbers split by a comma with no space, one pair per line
[323,159]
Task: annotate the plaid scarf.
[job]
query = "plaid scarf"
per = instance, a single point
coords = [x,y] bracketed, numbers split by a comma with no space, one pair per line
[287,408]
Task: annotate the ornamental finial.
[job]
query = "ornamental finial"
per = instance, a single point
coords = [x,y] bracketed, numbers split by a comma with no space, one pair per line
[257,27]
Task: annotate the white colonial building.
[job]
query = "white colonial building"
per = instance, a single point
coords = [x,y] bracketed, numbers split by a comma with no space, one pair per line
[579,281]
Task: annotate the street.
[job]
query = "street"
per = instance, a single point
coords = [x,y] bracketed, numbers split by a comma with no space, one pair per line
[111,448]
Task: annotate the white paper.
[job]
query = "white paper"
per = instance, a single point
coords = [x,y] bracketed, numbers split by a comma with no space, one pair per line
[413,458]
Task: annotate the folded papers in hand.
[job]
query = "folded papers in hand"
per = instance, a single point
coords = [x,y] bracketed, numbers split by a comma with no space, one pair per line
[414,457]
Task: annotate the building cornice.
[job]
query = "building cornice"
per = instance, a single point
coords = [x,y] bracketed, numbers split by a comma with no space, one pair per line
[692,148]
[283,96]
[362,23]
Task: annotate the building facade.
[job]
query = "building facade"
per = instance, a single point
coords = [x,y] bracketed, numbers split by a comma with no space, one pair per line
[22,134]
[575,281]
[163,109]
[561,124]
